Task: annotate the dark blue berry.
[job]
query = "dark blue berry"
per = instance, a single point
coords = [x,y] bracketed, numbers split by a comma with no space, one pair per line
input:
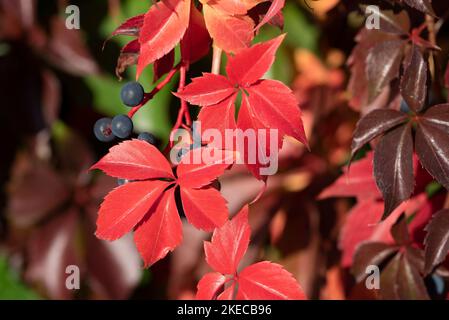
[181,153]
[121,181]
[148,137]
[122,126]
[132,94]
[103,130]
[404,107]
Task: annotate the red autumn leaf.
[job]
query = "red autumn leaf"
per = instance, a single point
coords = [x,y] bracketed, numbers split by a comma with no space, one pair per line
[229,244]
[164,26]
[207,90]
[209,286]
[129,55]
[199,175]
[266,104]
[163,65]
[149,206]
[135,160]
[355,182]
[196,41]
[268,281]
[263,280]
[230,33]
[125,207]
[130,27]
[209,120]
[159,232]
[204,208]
[275,8]
[276,106]
[252,63]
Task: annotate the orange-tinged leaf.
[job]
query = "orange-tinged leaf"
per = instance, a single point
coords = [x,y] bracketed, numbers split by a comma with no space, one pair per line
[160,232]
[230,33]
[125,207]
[164,26]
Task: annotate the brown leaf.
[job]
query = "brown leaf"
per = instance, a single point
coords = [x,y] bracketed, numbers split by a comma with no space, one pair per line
[51,249]
[383,62]
[410,285]
[414,80]
[393,167]
[388,279]
[370,253]
[432,143]
[399,231]
[374,124]
[437,240]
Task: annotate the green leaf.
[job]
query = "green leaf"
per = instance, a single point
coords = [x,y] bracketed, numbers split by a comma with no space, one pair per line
[10,285]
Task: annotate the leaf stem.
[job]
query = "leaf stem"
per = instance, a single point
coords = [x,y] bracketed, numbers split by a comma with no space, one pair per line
[148,96]
[216,60]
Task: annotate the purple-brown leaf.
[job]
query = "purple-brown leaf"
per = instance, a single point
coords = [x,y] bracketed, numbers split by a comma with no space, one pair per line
[393,167]
[383,62]
[374,124]
[432,143]
[437,240]
[413,82]
[370,253]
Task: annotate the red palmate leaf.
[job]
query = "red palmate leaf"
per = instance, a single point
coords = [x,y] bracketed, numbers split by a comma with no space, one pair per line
[164,26]
[268,281]
[393,167]
[230,33]
[149,206]
[229,244]
[125,207]
[261,281]
[252,63]
[135,160]
[267,104]
[160,232]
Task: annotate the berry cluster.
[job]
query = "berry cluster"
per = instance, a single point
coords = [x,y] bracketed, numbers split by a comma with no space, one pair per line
[121,126]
